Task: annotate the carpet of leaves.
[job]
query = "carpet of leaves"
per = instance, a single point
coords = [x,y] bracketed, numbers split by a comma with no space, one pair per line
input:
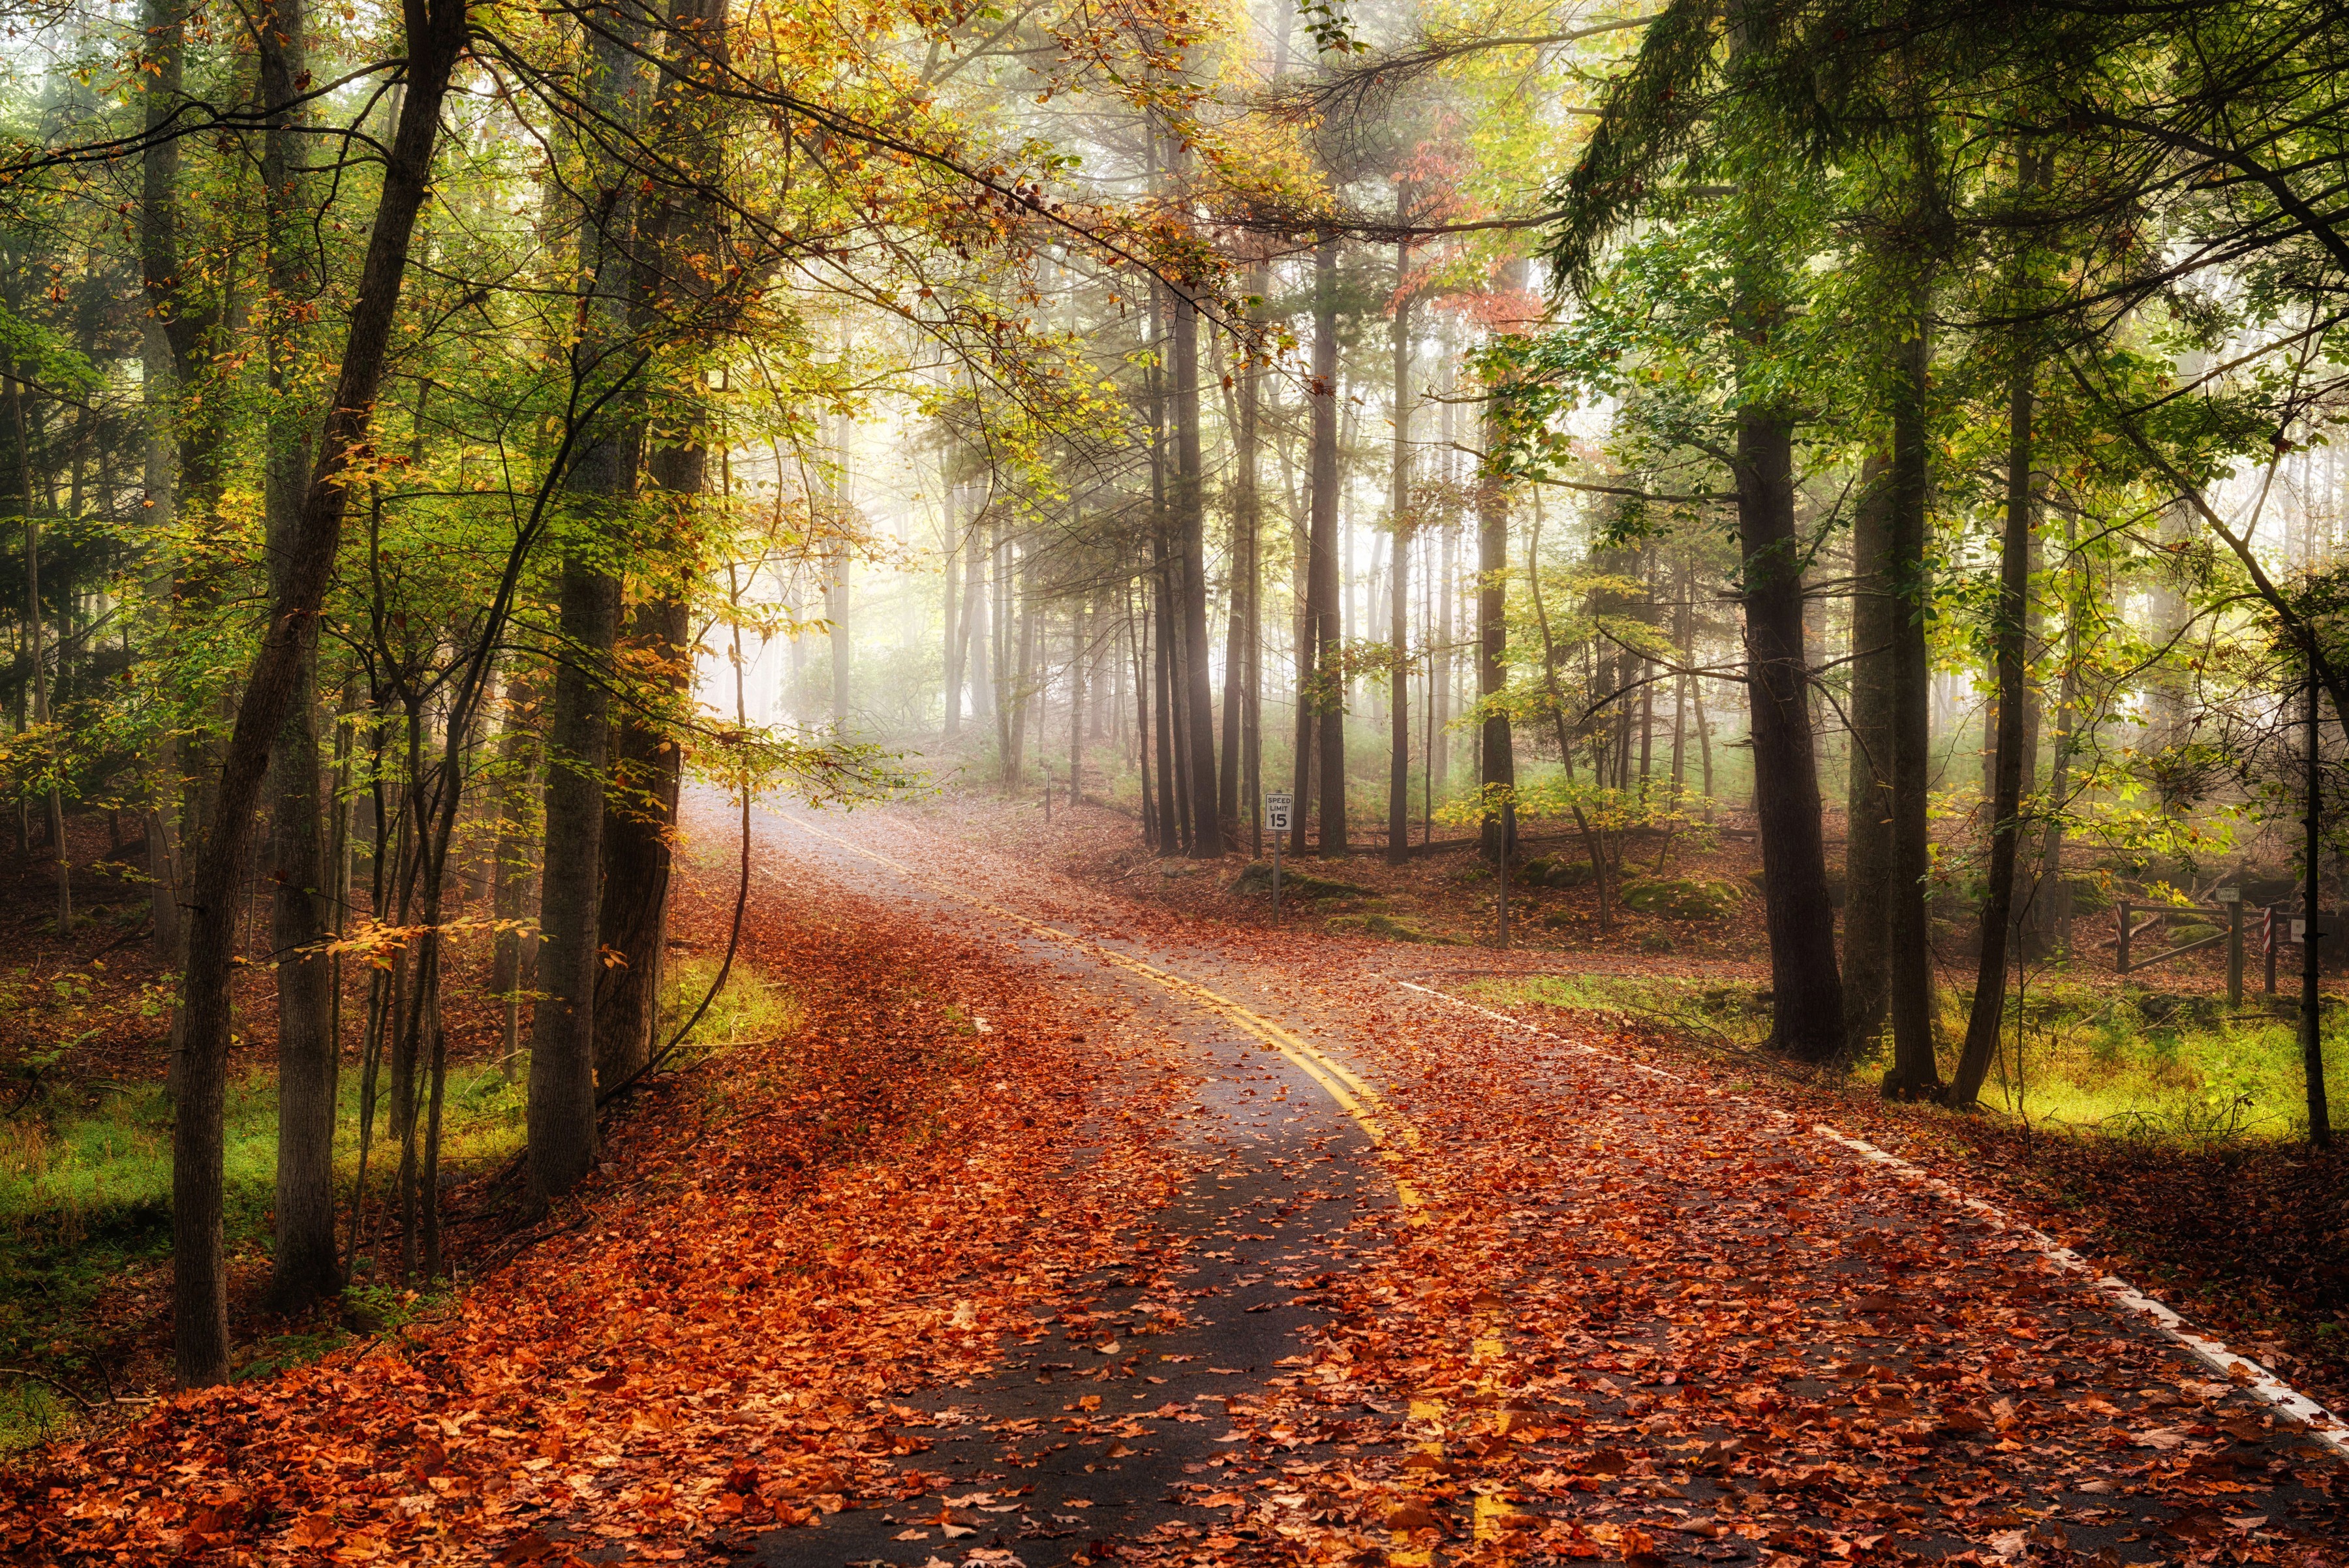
[704,1343]
[1642,1319]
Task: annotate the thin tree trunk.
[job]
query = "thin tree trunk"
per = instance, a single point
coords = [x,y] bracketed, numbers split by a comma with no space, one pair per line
[511,876]
[1191,569]
[1916,1070]
[1077,619]
[436,32]
[1867,832]
[1242,762]
[33,622]
[1986,1017]
[1399,581]
[1324,691]
[2054,902]
[1497,767]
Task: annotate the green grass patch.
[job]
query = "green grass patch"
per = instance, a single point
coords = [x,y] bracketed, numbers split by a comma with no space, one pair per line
[750,1010]
[86,1192]
[1730,1015]
[86,1202]
[2138,1064]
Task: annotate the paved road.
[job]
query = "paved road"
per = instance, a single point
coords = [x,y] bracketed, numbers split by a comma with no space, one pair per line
[1114,1420]
[1647,1317]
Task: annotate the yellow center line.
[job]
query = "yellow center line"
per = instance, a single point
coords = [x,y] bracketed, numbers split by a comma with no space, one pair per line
[1346,1090]
[1352,1095]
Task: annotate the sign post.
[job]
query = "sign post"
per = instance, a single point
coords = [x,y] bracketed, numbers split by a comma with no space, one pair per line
[1276,818]
[2233,898]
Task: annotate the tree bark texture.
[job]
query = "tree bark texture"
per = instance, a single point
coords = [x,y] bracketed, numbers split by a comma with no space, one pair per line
[1867,839]
[303,1265]
[560,1107]
[1985,1017]
[1190,522]
[1807,989]
[1496,763]
[1399,580]
[1916,1072]
[436,31]
[1324,611]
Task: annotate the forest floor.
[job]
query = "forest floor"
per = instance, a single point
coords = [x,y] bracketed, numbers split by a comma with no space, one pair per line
[1065,1228]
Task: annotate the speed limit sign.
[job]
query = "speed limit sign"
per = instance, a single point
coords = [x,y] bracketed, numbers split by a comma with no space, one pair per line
[1276,810]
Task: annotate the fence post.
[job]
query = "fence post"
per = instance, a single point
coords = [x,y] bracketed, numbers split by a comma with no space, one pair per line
[2235,957]
[2268,945]
[2123,965]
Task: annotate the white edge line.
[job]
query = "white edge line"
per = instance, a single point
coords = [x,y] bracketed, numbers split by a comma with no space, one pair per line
[2322,1423]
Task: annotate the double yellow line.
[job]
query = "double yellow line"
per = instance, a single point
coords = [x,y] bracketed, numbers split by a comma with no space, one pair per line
[1352,1095]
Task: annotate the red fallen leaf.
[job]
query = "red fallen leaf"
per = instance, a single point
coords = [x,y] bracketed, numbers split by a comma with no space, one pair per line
[609,1383]
[742,1477]
[1606,1462]
[317,1531]
[530,1546]
[1412,1517]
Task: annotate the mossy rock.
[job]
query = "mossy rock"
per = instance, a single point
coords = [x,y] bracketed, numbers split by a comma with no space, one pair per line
[1655,942]
[1532,873]
[1558,919]
[1683,898]
[1256,877]
[2090,895]
[2177,937]
[1571,873]
[1387,926]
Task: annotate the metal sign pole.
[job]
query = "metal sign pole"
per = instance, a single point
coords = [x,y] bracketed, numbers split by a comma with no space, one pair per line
[1276,818]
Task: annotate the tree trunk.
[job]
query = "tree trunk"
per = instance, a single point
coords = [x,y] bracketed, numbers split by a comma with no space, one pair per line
[1399,581]
[640,829]
[436,31]
[302,1264]
[671,285]
[1191,568]
[1496,764]
[1077,619]
[1807,991]
[1867,832]
[1916,1071]
[1984,1019]
[167,337]
[512,954]
[1325,690]
[562,1094]
[843,649]
[1239,787]
[2053,905]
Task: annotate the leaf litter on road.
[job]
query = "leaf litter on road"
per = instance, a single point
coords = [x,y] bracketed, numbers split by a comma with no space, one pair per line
[1629,1320]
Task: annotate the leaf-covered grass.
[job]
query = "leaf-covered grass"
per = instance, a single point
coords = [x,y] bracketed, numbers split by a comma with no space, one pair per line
[85,1208]
[752,1009]
[2129,1063]
[86,1190]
